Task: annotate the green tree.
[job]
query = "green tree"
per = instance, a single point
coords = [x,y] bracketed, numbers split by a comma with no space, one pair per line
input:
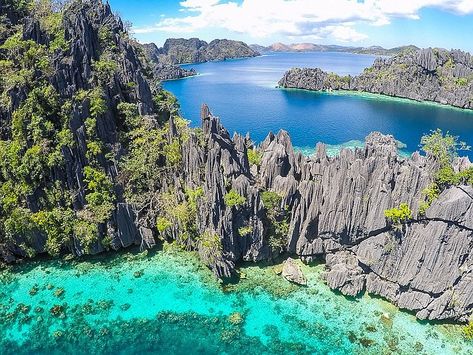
[163,224]
[271,200]
[399,215]
[210,247]
[254,157]
[234,199]
[277,218]
[442,147]
[430,194]
[100,196]
[468,330]
[104,69]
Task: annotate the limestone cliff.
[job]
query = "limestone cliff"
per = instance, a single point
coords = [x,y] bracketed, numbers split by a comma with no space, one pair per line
[95,157]
[177,51]
[64,75]
[194,50]
[165,70]
[337,212]
[435,75]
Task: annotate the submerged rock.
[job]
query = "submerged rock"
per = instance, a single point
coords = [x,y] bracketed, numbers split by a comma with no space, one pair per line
[229,211]
[293,273]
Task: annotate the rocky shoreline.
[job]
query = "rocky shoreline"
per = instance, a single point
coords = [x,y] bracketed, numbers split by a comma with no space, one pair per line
[165,72]
[124,169]
[337,213]
[178,51]
[435,75]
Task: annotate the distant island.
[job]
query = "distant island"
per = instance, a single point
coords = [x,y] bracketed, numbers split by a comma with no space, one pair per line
[431,74]
[311,47]
[177,51]
[166,60]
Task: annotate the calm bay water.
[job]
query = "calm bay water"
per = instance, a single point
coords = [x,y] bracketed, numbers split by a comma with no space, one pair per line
[168,303]
[244,94]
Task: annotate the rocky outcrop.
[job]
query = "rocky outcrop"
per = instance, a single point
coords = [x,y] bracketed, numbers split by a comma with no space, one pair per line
[171,72]
[165,61]
[165,70]
[293,273]
[194,50]
[204,194]
[337,213]
[71,73]
[436,75]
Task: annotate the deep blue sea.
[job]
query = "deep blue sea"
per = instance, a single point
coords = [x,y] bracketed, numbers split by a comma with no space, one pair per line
[244,94]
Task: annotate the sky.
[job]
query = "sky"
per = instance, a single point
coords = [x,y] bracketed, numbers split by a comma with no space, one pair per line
[388,23]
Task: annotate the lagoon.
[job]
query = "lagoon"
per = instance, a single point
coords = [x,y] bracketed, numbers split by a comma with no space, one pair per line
[167,302]
[243,94]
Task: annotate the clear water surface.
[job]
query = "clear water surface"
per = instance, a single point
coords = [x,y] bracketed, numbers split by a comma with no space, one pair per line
[168,303]
[244,94]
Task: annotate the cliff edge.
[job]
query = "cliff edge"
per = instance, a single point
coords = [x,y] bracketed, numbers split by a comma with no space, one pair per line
[95,157]
[436,75]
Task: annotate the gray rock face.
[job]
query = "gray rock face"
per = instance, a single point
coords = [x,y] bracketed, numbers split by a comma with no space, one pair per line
[337,211]
[344,273]
[293,273]
[165,70]
[454,206]
[194,50]
[304,78]
[435,75]
[166,60]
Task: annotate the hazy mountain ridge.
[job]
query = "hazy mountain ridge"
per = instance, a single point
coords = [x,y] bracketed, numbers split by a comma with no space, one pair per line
[312,47]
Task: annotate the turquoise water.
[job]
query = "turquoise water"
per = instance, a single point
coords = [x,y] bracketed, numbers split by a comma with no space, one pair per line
[169,303]
[243,94]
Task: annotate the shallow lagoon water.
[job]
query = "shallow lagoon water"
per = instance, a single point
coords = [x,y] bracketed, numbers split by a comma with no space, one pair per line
[244,94]
[169,303]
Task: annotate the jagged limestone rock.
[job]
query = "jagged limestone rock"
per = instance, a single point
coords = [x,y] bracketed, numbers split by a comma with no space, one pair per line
[427,74]
[338,209]
[177,51]
[165,71]
[194,50]
[344,273]
[336,204]
[293,273]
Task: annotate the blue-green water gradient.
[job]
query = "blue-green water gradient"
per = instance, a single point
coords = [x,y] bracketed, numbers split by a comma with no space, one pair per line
[168,303]
[244,94]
